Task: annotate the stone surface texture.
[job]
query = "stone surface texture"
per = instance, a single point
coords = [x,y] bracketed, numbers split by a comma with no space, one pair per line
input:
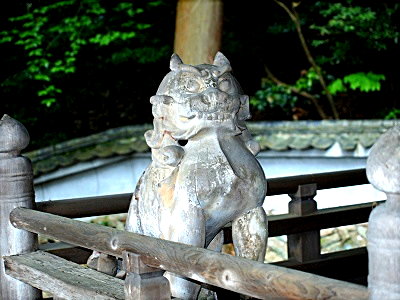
[204,173]
[383,171]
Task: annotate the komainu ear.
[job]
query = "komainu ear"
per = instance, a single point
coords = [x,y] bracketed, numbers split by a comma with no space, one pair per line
[220,60]
[175,62]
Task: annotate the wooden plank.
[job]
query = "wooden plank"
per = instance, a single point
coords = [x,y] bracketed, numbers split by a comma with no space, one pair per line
[63,278]
[88,206]
[328,180]
[234,273]
[323,218]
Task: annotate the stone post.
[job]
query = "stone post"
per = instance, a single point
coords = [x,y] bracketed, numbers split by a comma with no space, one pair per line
[143,282]
[304,246]
[16,190]
[383,171]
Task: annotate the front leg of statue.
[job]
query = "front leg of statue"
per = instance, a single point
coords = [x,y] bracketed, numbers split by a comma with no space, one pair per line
[250,234]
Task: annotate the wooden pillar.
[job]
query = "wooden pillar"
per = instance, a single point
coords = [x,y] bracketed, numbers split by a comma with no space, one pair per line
[143,282]
[304,246]
[383,171]
[198,30]
[16,190]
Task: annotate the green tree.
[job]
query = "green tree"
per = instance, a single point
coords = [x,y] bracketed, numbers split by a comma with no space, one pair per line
[100,61]
[335,31]
[54,34]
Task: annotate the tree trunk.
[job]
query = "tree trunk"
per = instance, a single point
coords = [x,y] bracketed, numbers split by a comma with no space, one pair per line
[198,30]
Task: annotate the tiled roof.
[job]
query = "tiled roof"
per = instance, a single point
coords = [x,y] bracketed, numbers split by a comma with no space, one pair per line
[278,136]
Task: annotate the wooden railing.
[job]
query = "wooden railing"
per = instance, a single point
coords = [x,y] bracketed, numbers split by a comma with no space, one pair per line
[96,206]
[225,271]
[350,265]
[145,258]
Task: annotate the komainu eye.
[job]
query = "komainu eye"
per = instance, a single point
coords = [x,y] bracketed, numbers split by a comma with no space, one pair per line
[192,86]
[225,85]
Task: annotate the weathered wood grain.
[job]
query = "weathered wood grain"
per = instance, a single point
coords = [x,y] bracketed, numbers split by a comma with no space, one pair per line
[198,30]
[237,274]
[63,278]
[16,190]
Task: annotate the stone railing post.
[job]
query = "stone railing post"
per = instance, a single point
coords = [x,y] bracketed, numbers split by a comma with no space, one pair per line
[383,171]
[304,246]
[16,190]
[143,282]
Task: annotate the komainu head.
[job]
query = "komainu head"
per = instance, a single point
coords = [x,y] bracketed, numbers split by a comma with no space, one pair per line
[192,98]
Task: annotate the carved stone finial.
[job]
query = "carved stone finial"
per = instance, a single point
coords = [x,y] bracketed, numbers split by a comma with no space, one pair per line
[383,164]
[13,136]
[383,171]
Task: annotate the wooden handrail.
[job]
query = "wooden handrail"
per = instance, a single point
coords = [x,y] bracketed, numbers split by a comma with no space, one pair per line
[88,206]
[321,219]
[112,204]
[328,180]
[234,273]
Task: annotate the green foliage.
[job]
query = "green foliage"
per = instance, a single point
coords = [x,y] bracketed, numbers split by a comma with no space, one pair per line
[337,86]
[307,81]
[273,95]
[393,114]
[336,31]
[342,23]
[53,36]
[365,82]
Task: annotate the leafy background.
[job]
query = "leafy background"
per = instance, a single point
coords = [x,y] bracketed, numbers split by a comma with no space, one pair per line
[72,68]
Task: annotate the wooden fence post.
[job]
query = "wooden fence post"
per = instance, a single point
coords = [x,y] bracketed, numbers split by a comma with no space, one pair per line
[304,246]
[383,171]
[16,190]
[143,282]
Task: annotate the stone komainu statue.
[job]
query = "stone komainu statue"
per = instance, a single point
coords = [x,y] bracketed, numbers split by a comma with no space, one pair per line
[203,173]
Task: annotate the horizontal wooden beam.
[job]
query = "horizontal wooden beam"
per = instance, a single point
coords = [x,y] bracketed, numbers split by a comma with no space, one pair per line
[321,219]
[234,273]
[119,203]
[328,180]
[88,206]
[349,265]
[62,278]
